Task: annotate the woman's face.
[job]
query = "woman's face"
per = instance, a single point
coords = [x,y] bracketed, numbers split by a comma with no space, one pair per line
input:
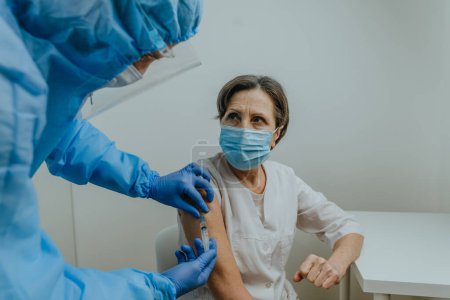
[252,109]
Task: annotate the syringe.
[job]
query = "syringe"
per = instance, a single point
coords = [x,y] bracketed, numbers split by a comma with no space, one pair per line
[204,233]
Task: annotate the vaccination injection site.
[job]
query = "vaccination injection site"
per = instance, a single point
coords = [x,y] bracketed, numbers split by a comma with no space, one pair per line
[231,150]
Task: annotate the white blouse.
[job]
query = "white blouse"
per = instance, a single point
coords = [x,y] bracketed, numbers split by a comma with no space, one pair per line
[261,246]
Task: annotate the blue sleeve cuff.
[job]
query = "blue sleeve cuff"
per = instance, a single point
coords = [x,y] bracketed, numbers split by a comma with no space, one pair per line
[165,288]
[145,182]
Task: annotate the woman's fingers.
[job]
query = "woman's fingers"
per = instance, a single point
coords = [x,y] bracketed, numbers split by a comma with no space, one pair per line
[330,281]
[310,268]
[323,275]
[298,276]
[318,271]
[315,270]
[306,266]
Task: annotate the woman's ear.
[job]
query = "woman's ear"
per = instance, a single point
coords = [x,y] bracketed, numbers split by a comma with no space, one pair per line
[276,136]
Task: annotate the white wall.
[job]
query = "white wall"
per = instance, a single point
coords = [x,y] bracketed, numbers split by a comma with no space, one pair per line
[367,83]
[56,211]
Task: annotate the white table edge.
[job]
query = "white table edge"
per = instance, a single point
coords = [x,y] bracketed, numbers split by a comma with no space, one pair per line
[398,288]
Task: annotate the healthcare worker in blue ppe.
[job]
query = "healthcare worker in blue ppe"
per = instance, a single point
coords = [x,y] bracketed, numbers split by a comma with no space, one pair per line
[53,54]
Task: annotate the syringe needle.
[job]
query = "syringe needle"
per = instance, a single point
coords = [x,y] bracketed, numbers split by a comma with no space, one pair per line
[204,233]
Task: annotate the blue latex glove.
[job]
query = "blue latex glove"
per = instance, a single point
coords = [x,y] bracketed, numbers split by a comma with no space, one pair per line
[178,189]
[192,271]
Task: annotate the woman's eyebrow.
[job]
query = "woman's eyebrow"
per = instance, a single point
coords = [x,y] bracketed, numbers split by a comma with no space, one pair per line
[260,114]
[253,113]
[233,110]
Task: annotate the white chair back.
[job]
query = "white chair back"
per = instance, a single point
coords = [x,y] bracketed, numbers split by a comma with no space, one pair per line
[166,243]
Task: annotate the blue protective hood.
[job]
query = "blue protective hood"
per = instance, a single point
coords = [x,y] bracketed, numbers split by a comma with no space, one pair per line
[81,45]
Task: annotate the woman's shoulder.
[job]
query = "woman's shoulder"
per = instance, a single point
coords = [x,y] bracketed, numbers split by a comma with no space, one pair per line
[285,173]
[211,163]
[214,165]
[279,167]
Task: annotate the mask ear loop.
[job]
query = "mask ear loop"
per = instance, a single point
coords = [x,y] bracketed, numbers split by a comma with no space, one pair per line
[273,132]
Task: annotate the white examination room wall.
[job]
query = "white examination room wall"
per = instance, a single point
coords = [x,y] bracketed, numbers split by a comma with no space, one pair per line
[368,88]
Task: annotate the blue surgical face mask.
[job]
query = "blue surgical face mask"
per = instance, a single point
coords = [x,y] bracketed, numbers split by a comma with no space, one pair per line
[244,148]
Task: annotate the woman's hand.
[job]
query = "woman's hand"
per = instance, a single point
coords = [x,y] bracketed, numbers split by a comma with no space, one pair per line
[320,272]
[326,273]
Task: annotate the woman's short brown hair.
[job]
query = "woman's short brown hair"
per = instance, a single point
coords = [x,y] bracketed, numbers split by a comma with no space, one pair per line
[248,82]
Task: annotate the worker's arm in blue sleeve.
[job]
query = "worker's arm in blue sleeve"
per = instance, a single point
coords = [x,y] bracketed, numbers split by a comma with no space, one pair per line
[86,155]
[191,272]
[83,283]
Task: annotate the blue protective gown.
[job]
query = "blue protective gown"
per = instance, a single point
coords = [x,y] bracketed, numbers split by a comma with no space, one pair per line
[53,53]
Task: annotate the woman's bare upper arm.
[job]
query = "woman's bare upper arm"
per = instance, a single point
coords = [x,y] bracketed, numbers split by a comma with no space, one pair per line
[226,273]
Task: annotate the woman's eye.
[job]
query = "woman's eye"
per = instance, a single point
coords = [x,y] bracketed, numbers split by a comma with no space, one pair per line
[233,116]
[258,120]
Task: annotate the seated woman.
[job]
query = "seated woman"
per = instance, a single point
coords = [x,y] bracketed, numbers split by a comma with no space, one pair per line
[260,203]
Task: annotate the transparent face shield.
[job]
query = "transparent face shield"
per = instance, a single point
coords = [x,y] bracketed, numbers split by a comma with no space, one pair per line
[168,64]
